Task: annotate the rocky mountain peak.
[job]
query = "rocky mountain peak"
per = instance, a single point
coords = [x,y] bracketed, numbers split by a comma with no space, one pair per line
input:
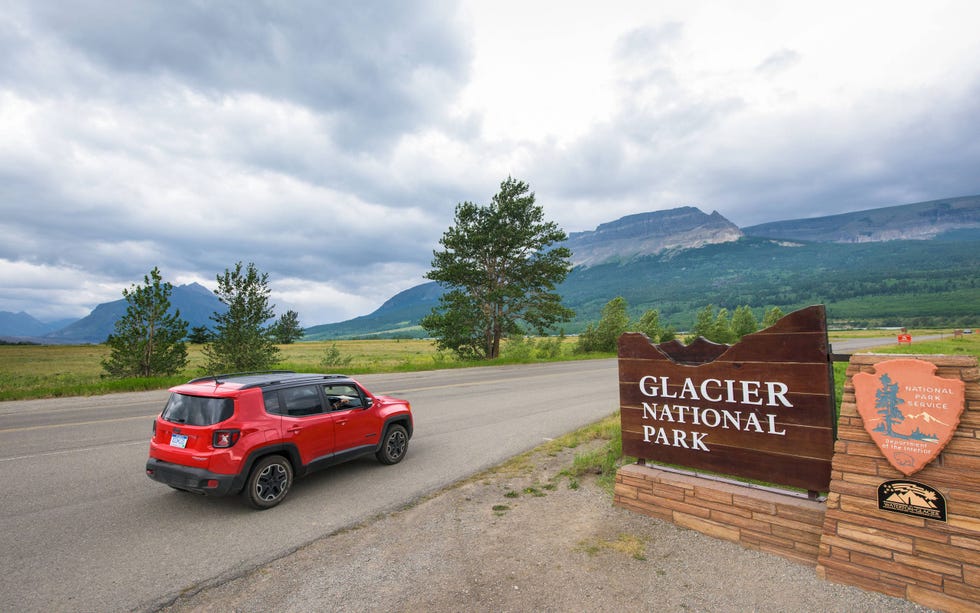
[918,221]
[650,233]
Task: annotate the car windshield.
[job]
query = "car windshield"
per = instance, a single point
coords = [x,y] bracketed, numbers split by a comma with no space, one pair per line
[197,410]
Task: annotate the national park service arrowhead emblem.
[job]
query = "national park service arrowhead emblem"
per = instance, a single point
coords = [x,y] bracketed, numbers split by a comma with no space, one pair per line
[910,413]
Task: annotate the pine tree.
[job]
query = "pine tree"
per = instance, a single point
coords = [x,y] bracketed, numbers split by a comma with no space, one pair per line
[704,323]
[148,340]
[649,324]
[721,331]
[287,330]
[771,317]
[241,342]
[613,322]
[500,264]
[743,322]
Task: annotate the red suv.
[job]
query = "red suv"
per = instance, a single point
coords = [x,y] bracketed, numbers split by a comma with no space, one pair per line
[253,433]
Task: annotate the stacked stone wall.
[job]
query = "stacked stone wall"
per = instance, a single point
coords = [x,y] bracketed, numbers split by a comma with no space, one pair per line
[848,539]
[931,562]
[756,519]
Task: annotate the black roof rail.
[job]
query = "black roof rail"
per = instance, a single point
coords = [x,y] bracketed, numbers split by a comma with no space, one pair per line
[218,378]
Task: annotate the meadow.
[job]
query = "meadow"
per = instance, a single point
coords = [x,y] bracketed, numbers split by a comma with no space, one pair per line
[45,371]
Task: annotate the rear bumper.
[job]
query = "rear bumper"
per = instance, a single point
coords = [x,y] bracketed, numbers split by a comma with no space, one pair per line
[192,479]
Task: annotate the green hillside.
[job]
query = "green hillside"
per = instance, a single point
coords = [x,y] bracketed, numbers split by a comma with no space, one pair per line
[935,282]
[398,317]
[897,283]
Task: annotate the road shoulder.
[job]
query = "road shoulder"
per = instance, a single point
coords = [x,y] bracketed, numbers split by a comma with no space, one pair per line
[525,537]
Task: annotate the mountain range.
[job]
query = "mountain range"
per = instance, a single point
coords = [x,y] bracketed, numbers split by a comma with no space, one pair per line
[887,266]
[650,233]
[195,302]
[891,266]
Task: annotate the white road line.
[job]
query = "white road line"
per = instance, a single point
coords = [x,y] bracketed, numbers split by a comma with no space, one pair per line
[76,423]
[80,449]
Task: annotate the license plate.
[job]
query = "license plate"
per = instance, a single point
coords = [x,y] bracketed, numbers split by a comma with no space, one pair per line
[178,440]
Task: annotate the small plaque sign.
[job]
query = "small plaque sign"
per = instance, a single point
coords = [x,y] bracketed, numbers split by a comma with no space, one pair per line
[909,412]
[912,498]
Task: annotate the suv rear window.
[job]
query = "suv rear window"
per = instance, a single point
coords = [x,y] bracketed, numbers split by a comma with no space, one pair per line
[197,410]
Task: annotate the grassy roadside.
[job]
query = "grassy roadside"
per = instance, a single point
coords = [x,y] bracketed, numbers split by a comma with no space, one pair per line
[606,459]
[602,460]
[948,345]
[49,371]
[46,371]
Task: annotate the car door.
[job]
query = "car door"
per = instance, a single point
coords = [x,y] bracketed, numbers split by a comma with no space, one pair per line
[306,424]
[355,424]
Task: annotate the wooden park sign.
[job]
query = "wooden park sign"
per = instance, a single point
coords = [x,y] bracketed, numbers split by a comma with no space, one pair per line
[760,409]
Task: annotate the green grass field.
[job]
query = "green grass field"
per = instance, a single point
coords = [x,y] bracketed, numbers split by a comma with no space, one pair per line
[44,371]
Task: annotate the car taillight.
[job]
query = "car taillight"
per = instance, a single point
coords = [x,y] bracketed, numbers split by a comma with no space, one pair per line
[225,438]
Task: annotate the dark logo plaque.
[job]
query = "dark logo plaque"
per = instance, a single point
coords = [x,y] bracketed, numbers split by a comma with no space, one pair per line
[912,498]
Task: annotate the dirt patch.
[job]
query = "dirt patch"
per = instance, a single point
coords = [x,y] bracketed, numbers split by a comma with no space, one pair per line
[526,538]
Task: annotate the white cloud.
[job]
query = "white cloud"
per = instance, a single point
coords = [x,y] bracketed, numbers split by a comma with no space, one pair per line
[330,143]
[52,292]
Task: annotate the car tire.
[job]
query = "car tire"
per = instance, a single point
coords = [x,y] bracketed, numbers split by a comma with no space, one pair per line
[269,482]
[393,446]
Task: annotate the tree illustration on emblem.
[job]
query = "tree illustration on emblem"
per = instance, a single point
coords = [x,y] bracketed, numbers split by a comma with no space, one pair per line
[887,401]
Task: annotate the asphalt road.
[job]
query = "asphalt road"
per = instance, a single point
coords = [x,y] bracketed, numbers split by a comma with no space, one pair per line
[846,346]
[83,529]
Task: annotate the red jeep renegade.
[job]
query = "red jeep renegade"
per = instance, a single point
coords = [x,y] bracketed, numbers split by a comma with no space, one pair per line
[253,433]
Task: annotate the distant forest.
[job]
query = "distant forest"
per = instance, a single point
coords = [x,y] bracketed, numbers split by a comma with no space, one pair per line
[896,283]
[912,283]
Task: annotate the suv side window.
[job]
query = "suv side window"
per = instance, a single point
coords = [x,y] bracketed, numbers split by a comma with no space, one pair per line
[343,396]
[272,405]
[299,401]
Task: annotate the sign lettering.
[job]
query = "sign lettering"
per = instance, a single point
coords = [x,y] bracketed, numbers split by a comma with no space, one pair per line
[761,409]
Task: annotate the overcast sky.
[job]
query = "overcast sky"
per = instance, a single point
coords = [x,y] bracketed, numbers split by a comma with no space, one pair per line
[329,142]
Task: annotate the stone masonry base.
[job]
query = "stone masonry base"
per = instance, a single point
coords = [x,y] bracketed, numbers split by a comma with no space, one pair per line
[757,519]
[848,539]
[931,562]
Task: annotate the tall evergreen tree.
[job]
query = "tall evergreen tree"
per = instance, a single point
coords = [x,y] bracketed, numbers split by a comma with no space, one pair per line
[287,330]
[704,323]
[241,342]
[612,323]
[500,265]
[199,335]
[743,322]
[772,316]
[649,324]
[148,340]
[721,332]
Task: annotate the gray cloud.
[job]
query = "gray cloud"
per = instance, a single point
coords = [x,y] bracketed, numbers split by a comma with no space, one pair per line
[374,70]
[193,136]
[670,145]
[327,143]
